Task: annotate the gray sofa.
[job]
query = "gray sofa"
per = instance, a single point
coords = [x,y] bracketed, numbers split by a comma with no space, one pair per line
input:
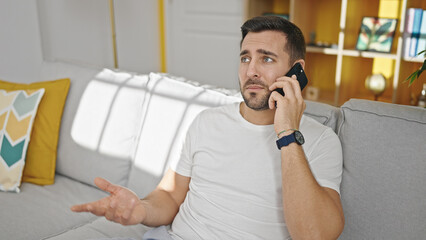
[127,128]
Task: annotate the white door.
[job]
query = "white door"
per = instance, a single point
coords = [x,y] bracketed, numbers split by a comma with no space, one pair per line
[203,38]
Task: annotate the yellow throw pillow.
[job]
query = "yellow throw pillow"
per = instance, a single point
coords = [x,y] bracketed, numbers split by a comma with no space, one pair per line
[40,163]
[17,112]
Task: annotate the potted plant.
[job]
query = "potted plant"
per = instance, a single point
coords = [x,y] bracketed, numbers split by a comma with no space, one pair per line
[417,73]
[421,101]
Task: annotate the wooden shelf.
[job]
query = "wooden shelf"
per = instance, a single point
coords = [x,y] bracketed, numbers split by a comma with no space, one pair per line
[365,54]
[413,59]
[340,73]
[328,51]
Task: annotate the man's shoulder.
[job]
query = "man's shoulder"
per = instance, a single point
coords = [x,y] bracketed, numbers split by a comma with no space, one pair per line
[310,123]
[319,138]
[314,129]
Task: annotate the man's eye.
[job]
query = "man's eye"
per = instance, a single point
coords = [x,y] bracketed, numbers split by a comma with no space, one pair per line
[268,59]
[245,60]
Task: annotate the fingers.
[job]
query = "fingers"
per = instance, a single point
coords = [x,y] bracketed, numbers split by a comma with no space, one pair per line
[95,208]
[106,186]
[118,207]
[87,207]
[291,88]
[289,107]
[80,208]
[107,207]
[273,99]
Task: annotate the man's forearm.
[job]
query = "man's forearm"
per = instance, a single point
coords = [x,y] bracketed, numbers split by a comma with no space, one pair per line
[160,208]
[309,210]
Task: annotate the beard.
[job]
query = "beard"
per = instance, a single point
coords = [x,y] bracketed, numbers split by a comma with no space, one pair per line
[254,100]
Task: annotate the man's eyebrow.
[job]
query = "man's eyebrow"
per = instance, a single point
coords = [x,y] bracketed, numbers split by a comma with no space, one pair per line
[244,52]
[263,51]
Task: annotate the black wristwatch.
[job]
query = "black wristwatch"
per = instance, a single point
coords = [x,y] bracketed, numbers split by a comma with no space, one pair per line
[296,136]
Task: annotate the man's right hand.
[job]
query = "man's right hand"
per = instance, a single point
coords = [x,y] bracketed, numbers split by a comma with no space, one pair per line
[122,206]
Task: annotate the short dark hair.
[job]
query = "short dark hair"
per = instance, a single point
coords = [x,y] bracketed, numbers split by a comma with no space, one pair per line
[295,46]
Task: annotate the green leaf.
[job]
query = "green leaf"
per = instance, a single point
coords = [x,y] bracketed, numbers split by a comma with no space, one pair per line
[384,29]
[423,66]
[366,29]
[411,78]
[424,51]
[411,75]
[388,40]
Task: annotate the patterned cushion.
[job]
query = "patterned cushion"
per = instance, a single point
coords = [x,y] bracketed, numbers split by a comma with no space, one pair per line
[40,162]
[17,112]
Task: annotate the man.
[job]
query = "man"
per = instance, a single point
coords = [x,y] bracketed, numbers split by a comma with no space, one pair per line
[231,181]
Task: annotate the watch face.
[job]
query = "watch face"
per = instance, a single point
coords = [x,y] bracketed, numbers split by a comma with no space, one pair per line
[299,137]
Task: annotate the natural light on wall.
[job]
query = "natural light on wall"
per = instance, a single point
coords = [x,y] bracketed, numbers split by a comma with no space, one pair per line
[105,120]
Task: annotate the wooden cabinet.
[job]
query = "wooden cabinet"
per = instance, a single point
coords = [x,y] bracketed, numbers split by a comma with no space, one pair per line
[336,70]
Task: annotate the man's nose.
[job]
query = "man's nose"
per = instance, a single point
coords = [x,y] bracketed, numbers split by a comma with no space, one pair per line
[252,71]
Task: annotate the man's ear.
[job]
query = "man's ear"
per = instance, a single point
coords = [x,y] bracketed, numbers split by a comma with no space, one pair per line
[301,61]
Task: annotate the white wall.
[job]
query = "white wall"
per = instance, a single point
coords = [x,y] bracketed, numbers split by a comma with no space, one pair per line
[203,37]
[79,31]
[76,31]
[137,35]
[20,47]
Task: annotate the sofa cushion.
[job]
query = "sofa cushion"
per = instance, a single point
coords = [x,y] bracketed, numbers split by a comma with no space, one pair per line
[40,163]
[42,211]
[17,112]
[103,229]
[383,186]
[323,113]
[171,106]
[101,122]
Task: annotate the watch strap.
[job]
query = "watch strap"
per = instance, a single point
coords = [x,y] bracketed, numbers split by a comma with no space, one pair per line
[285,141]
[296,136]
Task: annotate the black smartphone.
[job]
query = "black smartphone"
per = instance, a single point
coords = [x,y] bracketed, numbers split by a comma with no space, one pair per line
[297,70]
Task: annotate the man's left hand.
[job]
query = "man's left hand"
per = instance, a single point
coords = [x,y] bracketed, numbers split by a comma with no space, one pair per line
[290,107]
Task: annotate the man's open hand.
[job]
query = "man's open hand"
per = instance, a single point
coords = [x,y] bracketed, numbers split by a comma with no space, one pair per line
[122,206]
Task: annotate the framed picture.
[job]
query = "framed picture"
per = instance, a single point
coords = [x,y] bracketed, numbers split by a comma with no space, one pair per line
[376,34]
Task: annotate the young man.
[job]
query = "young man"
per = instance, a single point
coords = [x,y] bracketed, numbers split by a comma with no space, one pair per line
[231,181]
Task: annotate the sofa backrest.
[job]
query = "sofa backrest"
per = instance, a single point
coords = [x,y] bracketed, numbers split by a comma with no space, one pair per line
[323,113]
[383,187]
[125,127]
[128,128]
[100,123]
[170,108]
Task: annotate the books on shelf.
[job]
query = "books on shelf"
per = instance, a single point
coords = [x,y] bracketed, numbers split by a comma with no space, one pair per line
[415,33]
[408,29]
[421,45]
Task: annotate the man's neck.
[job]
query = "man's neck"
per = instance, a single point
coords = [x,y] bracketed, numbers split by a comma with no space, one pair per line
[264,117]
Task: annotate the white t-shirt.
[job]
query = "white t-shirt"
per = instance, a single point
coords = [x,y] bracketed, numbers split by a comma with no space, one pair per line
[235,170]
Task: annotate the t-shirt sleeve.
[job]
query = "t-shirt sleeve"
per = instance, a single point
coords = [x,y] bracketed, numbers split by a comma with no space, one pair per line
[326,160]
[183,165]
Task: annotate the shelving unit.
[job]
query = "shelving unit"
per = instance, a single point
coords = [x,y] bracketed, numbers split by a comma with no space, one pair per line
[340,73]
[413,59]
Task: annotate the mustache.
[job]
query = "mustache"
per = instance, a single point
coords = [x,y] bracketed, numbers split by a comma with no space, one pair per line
[255,82]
